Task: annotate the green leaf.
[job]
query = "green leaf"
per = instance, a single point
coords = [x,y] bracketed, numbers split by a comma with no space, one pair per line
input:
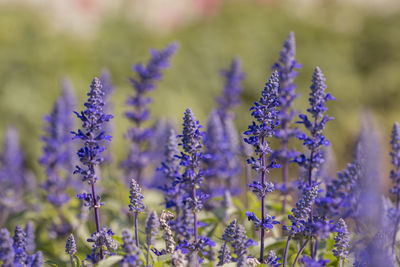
[110,261]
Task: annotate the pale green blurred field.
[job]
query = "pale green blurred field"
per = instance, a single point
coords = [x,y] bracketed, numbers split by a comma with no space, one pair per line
[358,51]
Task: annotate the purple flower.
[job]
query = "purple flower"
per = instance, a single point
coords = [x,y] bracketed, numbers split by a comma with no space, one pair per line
[315,126]
[265,114]
[13,180]
[232,88]
[341,250]
[102,241]
[301,213]
[287,69]
[70,245]
[57,150]
[19,245]
[309,262]
[136,197]
[147,76]
[132,256]
[92,134]
[6,248]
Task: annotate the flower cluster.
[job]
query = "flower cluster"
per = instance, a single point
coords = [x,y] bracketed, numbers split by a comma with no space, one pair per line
[315,126]
[19,251]
[93,118]
[301,213]
[148,74]
[101,239]
[265,113]
[342,246]
[132,256]
[286,67]
[235,236]
[13,179]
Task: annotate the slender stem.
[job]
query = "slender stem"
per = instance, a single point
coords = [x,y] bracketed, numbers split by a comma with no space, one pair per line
[286,251]
[196,237]
[340,262]
[148,254]
[262,204]
[316,245]
[136,230]
[285,175]
[96,207]
[71,258]
[299,253]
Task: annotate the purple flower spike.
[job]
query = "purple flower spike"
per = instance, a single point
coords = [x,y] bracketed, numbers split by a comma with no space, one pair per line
[148,74]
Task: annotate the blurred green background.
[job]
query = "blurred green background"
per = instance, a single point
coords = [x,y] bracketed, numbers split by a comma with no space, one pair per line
[357,47]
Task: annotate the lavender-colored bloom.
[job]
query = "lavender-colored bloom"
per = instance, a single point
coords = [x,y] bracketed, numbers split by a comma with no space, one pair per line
[102,239]
[190,158]
[13,180]
[235,235]
[232,88]
[93,118]
[202,248]
[395,177]
[395,155]
[240,244]
[136,197]
[70,245]
[193,175]
[184,224]
[222,164]
[30,237]
[19,245]
[170,167]
[224,255]
[315,126]
[301,213]
[152,225]
[309,262]
[287,69]
[341,250]
[336,201]
[268,224]
[265,113]
[108,89]
[93,136]
[132,256]
[139,157]
[222,137]
[6,248]
[57,158]
[272,259]
[372,228]
[35,260]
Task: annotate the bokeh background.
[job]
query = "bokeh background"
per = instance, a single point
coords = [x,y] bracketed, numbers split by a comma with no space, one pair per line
[356,43]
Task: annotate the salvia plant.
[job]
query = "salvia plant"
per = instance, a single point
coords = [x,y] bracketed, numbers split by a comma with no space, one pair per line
[198,208]
[139,134]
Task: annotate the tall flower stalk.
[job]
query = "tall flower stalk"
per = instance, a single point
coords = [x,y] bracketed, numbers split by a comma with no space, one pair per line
[56,158]
[192,176]
[147,75]
[315,141]
[395,176]
[265,113]
[287,69]
[137,206]
[92,134]
[13,179]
